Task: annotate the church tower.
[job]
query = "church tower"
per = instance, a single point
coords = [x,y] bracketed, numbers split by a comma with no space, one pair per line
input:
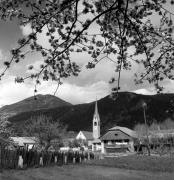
[96,123]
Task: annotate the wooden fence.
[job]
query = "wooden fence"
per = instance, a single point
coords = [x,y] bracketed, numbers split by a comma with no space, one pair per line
[21,158]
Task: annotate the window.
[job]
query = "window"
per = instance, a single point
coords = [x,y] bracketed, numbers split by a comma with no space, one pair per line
[116,134]
[95,123]
[109,142]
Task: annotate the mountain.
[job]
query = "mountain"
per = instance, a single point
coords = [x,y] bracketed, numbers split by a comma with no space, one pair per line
[32,104]
[126,111]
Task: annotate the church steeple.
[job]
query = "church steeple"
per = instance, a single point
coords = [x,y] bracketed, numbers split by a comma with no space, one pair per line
[96,123]
[96,108]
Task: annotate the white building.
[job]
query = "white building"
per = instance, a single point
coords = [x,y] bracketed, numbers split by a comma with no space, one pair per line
[85,136]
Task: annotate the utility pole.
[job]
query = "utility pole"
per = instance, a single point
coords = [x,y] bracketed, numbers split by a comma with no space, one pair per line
[145,121]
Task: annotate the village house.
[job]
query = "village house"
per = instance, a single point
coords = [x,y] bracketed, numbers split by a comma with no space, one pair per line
[28,142]
[118,139]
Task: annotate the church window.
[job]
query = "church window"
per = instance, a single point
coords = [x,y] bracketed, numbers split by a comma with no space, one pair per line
[95,123]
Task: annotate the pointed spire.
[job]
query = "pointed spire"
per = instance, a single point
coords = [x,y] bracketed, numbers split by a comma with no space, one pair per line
[96,122]
[96,108]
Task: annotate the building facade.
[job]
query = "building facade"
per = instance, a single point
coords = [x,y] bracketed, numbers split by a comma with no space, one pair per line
[85,136]
[118,140]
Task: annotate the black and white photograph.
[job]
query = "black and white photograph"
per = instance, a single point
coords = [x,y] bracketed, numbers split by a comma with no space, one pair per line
[86,89]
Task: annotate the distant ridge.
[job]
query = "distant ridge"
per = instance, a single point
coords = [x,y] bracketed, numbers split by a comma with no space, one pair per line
[32,104]
[126,111]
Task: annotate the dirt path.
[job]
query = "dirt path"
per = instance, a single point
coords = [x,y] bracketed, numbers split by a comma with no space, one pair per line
[77,172]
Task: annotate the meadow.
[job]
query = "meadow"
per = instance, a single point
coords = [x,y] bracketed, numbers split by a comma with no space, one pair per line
[82,172]
[122,168]
[138,162]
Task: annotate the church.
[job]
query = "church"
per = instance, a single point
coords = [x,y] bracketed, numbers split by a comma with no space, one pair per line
[115,140]
[92,138]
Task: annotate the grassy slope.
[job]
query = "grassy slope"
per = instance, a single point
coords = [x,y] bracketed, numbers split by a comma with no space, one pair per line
[138,162]
[30,104]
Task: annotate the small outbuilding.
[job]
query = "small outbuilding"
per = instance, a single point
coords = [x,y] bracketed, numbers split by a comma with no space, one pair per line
[118,139]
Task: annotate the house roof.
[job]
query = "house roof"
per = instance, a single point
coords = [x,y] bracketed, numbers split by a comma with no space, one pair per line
[126,130]
[127,133]
[24,140]
[162,133]
[88,134]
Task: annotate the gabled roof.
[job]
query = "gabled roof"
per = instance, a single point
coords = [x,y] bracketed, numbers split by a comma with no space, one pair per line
[162,133]
[110,135]
[24,140]
[88,134]
[126,130]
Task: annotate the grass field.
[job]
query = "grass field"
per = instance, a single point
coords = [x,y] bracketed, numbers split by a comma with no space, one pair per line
[138,162]
[122,168]
[82,172]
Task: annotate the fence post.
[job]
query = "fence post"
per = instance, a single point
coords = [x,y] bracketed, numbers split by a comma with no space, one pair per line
[80,158]
[88,156]
[65,158]
[74,158]
[0,158]
[20,162]
[55,159]
[41,161]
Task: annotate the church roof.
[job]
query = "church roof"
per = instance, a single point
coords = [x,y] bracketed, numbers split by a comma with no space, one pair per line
[96,111]
[88,134]
[96,108]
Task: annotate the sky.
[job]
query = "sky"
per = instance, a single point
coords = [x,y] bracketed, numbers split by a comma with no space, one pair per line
[89,85]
